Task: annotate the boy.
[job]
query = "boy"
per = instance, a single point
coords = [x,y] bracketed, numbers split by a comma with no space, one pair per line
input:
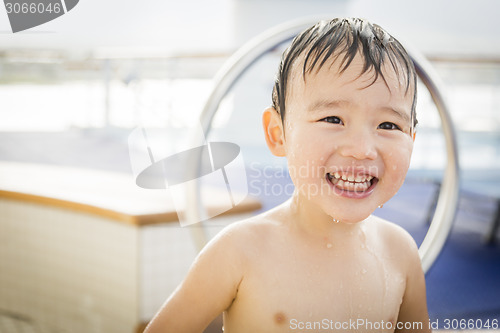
[343,115]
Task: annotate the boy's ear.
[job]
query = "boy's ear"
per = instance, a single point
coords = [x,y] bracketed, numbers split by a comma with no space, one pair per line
[273,131]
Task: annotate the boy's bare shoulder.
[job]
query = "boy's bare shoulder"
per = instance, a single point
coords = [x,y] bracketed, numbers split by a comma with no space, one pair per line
[394,238]
[251,232]
[255,224]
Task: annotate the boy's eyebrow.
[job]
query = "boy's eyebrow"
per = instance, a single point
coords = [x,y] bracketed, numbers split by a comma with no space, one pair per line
[328,104]
[332,104]
[401,114]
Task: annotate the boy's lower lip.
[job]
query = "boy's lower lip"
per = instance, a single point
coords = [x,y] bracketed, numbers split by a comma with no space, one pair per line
[353,194]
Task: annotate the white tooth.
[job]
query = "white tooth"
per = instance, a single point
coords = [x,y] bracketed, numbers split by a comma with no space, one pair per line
[337,175]
[344,177]
[359,179]
[347,186]
[359,187]
[340,183]
[350,178]
[369,178]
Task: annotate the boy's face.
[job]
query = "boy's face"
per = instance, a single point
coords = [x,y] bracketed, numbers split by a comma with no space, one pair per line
[347,141]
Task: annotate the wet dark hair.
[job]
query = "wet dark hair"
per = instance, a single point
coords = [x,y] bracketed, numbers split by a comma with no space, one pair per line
[345,38]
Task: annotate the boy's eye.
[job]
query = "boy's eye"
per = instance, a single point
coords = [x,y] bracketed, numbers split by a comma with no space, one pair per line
[332,120]
[388,126]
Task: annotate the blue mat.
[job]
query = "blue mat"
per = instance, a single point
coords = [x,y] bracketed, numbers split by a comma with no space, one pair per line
[464,283]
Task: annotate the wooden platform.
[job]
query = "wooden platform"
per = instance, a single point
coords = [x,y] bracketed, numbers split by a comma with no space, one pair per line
[89,251]
[107,194]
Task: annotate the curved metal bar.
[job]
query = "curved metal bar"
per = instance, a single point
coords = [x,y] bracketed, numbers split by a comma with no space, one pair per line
[252,51]
[444,214]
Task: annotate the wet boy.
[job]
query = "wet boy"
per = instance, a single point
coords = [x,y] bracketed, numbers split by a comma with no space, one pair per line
[343,114]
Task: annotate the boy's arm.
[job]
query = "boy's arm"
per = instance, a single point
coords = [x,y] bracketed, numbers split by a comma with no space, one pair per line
[413,311]
[209,288]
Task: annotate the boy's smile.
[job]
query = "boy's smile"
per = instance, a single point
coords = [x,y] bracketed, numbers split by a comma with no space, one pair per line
[352,184]
[352,135]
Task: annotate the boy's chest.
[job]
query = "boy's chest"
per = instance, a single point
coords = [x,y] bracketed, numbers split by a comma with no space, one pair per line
[331,292]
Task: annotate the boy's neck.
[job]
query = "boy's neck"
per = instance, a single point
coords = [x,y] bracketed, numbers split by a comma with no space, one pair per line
[314,221]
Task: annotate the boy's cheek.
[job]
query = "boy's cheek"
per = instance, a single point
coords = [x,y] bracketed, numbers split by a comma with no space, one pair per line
[403,152]
[397,163]
[397,177]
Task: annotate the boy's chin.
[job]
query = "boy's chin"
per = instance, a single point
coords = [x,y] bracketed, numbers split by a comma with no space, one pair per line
[350,217]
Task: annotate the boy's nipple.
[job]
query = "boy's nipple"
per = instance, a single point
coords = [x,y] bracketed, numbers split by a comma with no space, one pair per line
[279,318]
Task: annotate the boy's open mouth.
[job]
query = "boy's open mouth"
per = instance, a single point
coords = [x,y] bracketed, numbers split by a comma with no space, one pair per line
[351,185]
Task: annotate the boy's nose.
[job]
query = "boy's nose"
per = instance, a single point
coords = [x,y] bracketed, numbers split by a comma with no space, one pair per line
[359,145]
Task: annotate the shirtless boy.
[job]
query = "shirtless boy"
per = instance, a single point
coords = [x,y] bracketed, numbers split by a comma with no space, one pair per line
[343,115]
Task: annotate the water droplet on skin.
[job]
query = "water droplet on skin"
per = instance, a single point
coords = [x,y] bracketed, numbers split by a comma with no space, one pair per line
[350,302]
[328,246]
